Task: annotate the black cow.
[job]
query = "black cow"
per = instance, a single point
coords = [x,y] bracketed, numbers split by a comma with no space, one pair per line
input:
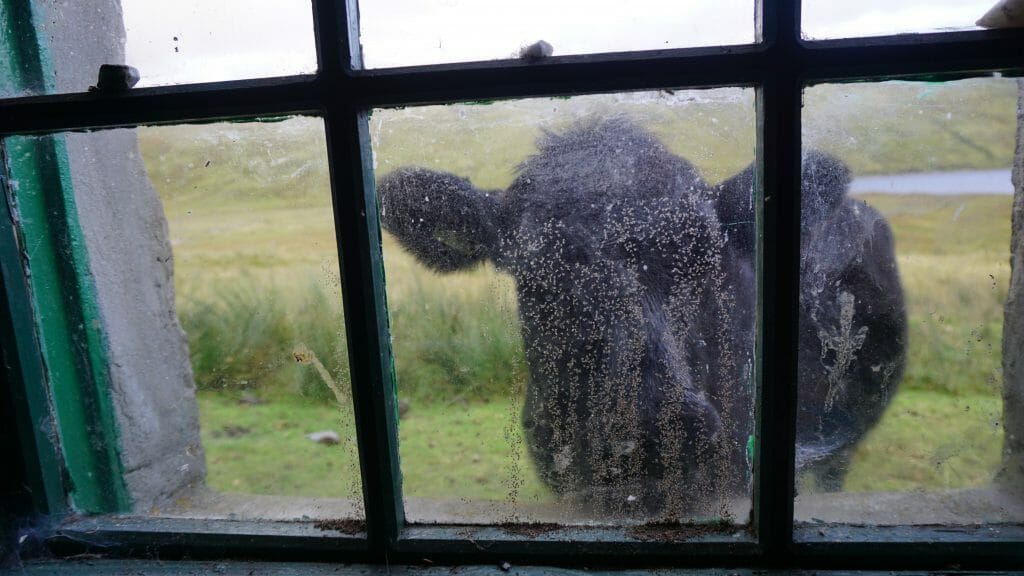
[636,292]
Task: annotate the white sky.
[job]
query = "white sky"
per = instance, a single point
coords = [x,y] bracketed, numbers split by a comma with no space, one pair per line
[233,39]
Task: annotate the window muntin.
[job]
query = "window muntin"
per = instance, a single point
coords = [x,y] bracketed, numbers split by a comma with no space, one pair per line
[823,19]
[406,33]
[918,329]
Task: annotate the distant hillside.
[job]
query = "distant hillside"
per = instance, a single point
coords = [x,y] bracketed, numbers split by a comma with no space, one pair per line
[286,160]
[882,128]
[914,126]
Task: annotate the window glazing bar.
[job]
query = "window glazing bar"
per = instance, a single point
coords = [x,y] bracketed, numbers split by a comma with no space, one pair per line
[210,102]
[946,54]
[940,56]
[778,102]
[362,277]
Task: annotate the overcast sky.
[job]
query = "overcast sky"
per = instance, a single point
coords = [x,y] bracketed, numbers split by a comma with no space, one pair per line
[204,40]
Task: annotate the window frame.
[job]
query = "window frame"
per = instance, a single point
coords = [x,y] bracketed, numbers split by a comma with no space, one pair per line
[779,67]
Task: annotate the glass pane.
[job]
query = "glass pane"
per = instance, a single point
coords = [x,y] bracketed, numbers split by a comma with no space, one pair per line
[571,291]
[824,19]
[200,41]
[906,244]
[56,47]
[410,32]
[212,251]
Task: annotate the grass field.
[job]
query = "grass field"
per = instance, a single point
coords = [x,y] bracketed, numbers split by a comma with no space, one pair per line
[257,282]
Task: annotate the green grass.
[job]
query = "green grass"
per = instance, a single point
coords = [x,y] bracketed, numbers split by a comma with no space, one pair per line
[248,339]
[257,280]
[953,255]
[447,450]
[263,449]
[460,450]
[930,440]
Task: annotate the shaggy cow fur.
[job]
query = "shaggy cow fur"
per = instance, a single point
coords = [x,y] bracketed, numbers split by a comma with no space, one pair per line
[636,289]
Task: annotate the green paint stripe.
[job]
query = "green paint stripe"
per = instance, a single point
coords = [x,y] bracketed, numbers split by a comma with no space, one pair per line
[99,382]
[26,375]
[68,325]
[70,328]
[20,62]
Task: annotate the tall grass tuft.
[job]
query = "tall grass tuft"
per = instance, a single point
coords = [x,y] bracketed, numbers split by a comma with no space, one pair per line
[244,337]
[451,345]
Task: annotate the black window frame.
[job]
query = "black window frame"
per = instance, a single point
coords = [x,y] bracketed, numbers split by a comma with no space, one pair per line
[779,66]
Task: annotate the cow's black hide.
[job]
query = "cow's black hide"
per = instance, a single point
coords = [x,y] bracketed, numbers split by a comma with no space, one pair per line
[636,290]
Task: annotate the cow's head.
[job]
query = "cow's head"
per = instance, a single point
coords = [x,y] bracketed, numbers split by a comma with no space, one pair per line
[626,305]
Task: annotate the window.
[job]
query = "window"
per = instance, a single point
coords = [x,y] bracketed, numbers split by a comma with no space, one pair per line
[377,132]
[935,412]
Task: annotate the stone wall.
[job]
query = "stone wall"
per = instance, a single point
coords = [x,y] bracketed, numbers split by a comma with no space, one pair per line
[130,260]
[1013,322]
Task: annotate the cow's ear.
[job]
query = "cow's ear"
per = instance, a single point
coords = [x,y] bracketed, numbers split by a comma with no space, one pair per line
[440,218]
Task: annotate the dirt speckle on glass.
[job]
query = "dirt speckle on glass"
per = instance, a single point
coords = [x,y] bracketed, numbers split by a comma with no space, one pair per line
[682,531]
[348,526]
[531,530]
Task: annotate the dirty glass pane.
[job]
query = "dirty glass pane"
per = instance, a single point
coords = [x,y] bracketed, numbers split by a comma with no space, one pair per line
[903,398]
[824,19]
[411,32]
[571,290]
[212,253]
[58,47]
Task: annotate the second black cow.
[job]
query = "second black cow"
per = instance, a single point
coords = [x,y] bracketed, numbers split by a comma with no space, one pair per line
[636,291]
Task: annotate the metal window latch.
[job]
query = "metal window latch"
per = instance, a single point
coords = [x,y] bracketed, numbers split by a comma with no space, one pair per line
[115,78]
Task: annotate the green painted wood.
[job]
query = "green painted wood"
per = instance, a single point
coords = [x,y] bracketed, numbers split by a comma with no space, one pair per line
[374,391]
[54,259]
[779,101]
[622,547]
[22,357]
[53,252]
[20,62]
[126,536]
[986,546]
[362,273]
[819,546]
[24,374]
[813,534]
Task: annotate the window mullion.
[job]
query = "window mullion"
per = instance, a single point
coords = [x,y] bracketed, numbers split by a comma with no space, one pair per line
[778,103]
[779,173]
[362,274]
